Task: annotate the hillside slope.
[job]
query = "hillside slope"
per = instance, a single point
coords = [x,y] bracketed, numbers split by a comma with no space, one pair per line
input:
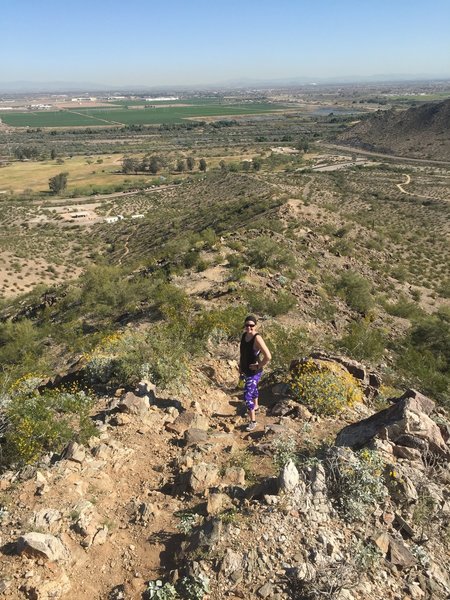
[419,132]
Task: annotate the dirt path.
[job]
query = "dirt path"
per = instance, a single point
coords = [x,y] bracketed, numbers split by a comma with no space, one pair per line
[407,182]
[128,486]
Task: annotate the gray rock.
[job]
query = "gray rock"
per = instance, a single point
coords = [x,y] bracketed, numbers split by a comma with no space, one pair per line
[203,476]
[47,518]
[195,436]
[266,591]
[134,405]
[289,478]
[43,545]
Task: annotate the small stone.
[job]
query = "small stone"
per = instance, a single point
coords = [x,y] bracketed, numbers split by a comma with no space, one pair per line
[382,543]
[266,591]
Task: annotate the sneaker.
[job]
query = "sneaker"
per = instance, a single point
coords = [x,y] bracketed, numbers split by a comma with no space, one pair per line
[251,426]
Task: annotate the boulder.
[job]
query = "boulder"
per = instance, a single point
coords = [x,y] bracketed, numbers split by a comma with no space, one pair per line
[203,476]
[188,420]
[194,436]
[134,405]
[43,545]
[405,423]
[234,476]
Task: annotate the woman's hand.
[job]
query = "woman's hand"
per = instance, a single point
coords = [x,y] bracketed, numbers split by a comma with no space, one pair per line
[254,366]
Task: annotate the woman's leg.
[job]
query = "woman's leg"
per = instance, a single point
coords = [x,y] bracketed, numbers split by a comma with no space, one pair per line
[251,394]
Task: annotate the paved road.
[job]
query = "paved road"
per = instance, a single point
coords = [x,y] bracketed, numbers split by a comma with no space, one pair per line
[392,156]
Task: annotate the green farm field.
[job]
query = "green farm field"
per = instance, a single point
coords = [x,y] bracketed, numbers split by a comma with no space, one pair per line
[83,117]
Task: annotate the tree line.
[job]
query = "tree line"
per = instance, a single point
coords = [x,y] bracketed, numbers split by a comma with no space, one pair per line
[155,163]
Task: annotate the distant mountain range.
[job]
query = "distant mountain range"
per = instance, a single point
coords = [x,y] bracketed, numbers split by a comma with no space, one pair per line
[419,132]
[83,87]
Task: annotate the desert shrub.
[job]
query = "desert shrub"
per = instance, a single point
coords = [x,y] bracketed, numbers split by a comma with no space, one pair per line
[19,342]
[423,355]
[285,344]
[192,588]
[363,341]
[187,588]
[403,308]
[172,302]
[324,387]
[46,422]
[217,324]
[284,450]
[356,482]
[266,303]
[234,260]
[264,252]
[444,289]
[355,290]
[191,259]
[107,290]
[156,590]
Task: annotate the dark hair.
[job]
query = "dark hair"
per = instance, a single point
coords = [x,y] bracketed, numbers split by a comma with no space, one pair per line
[251,318]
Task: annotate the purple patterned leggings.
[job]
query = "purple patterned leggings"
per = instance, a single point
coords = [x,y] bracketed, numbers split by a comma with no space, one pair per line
[251,389]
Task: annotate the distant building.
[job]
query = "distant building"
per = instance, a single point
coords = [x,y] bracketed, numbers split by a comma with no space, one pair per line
[137,216]
[161,99]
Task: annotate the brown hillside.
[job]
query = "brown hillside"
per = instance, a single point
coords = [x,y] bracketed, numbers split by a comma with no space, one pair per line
[420,132]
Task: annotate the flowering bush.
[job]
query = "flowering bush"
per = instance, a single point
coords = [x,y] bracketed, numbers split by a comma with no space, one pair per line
[39,423]
[356,483]
[325,387]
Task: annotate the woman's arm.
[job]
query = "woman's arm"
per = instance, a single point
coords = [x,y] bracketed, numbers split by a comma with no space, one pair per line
[261,346]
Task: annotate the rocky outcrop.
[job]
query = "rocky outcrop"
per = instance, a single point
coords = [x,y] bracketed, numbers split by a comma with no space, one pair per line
[406,423]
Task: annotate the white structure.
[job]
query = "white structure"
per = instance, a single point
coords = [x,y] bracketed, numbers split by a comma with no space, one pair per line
[137,216]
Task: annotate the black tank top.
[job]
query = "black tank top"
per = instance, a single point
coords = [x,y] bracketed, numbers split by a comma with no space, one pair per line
[249,355]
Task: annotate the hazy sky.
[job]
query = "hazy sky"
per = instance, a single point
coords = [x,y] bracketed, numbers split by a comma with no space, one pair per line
[149,42]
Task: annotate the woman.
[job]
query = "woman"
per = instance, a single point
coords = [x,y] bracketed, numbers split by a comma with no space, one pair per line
[254,356]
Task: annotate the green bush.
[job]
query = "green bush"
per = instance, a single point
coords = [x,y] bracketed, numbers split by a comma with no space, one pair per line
[355,290]
[362,341]
[423,355]
[285,344]
[267,303]
[403,308]
[264,252]
[46,422]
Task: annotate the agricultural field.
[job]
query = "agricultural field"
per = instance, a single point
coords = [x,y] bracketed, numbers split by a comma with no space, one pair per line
[152,115]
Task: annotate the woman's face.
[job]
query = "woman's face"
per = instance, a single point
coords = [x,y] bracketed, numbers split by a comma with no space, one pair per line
[249,327]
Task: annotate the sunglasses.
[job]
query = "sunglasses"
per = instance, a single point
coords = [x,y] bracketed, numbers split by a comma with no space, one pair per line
[249,324]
